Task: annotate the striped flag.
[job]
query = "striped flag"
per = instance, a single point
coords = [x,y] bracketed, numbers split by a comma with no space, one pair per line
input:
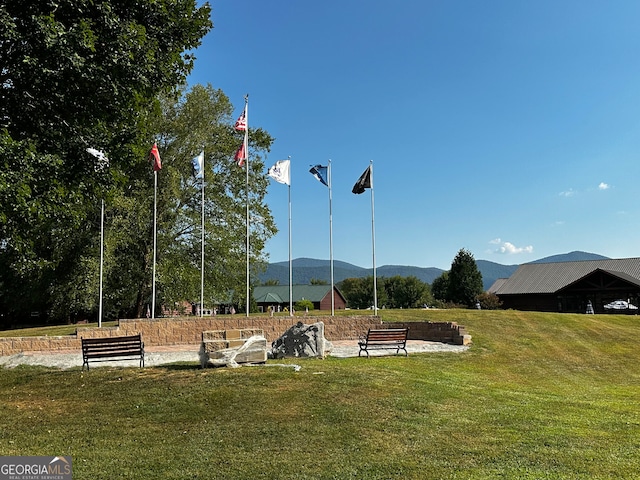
[241,123]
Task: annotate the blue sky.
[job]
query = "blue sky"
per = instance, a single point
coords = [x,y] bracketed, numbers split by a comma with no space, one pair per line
[508,128]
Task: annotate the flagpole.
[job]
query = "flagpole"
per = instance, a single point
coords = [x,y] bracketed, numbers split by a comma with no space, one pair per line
[101,261]
[153,282]
[290,258]
[333,301]
[102,162]
[202,240]
[246,150]
[373,243]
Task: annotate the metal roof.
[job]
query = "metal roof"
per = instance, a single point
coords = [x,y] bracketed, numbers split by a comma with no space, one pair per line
[280,293]
[551,277]
[497,284]
[269,297]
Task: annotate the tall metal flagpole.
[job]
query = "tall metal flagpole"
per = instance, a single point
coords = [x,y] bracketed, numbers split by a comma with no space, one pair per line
[373,242]
[103,162]
[202,240]
[246,150]
[101,261]
[290,259]
[153,282]
[333,301]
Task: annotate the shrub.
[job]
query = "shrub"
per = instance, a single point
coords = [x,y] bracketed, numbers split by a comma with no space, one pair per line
[302,305]
[489,301]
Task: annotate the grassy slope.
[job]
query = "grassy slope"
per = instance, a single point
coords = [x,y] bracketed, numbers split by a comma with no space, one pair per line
[537,396]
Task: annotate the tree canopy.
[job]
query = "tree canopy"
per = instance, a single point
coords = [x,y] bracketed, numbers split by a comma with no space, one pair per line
[198,120]
[109,75]
[392,292]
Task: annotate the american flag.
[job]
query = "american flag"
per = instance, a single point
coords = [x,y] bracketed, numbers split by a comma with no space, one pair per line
[241,123]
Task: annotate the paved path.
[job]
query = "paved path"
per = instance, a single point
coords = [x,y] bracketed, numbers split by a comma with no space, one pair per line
[162,355]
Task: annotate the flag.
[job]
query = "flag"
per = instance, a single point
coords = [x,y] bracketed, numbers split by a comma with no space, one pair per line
[241,123]
[363,182]
[198,165]
[241,155]
[280,172]
[320,173]
[154,157]
[102,162]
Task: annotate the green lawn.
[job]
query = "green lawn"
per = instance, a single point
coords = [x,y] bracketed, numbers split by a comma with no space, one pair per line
[540,396]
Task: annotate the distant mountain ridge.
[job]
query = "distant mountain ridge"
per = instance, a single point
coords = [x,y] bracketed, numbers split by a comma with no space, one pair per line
[306,269]
[571,257]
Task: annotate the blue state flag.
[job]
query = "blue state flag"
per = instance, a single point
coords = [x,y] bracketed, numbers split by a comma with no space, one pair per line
[320,173]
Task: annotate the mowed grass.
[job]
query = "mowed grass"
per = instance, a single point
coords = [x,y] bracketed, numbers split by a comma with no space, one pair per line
[539,396]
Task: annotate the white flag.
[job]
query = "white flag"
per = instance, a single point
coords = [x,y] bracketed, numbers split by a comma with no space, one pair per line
[280,172]
[198,165]
[103,161]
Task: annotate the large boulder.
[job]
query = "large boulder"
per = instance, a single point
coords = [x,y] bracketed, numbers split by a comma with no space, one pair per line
[301,340]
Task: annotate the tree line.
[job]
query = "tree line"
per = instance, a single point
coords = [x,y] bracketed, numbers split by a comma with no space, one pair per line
[111,76]
[459,286]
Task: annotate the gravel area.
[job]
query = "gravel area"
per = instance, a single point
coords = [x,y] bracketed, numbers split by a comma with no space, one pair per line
[190,353]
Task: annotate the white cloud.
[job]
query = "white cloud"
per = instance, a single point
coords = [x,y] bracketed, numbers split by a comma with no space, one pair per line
[508,248]
[603,186]
[568,193]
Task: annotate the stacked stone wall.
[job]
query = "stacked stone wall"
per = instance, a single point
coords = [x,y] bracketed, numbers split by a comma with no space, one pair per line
[188,331]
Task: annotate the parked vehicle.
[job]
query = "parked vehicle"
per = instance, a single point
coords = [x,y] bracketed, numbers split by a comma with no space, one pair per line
[620,305]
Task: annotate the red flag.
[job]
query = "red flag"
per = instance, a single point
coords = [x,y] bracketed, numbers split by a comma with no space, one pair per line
[154,157]
[241,155]
[241,123]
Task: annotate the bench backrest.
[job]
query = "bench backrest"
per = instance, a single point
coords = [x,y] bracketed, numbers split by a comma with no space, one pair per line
[112,346]
[389,334]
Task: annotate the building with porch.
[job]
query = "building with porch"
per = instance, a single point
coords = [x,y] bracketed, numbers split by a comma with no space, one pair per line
[570,286]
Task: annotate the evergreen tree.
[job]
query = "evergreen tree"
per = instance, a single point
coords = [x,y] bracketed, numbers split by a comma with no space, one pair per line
[465,280]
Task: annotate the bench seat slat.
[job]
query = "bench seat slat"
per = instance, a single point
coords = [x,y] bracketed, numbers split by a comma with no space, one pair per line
[111,348]
[390,338]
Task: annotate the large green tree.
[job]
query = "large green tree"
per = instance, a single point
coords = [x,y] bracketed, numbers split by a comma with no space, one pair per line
[440,286]
[76,74]
[359,291]
[406,292]
[465,280]
[198,120]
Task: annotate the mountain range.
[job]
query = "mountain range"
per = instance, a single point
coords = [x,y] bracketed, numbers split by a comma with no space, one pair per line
[307,269]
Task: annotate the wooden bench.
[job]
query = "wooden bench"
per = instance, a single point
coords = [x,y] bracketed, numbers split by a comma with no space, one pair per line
[384,339]
[112,348]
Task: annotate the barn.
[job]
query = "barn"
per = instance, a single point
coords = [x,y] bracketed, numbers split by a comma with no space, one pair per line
[570,286]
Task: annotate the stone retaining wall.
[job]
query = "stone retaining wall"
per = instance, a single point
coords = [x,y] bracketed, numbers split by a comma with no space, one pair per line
[188,331]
